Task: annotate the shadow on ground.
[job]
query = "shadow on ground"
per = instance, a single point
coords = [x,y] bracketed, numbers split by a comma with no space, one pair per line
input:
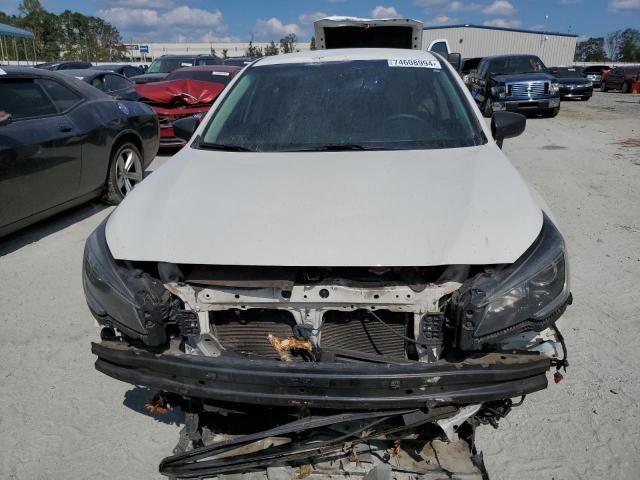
[44,228]
[136,398]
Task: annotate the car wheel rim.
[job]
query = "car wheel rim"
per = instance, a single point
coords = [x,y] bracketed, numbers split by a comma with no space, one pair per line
[128,170]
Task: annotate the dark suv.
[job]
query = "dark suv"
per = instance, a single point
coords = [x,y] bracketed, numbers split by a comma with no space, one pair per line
[517,83]
[164,65]
[621,78]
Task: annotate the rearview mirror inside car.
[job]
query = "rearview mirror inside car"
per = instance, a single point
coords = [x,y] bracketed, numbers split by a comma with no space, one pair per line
[455,59]
[507,125]
[184,127]
[5,118]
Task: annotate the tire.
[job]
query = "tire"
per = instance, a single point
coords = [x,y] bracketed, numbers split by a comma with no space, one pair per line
[625,87]
[552,112]
[125,172]
[585,99]
[487,110]
[603,86]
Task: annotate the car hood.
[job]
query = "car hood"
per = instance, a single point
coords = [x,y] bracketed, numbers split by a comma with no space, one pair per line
[148,77]
[522,77]
[183,91]
[365,208]
[573,81]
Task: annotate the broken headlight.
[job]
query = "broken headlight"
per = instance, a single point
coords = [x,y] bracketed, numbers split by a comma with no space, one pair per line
[125,298]
[529,294]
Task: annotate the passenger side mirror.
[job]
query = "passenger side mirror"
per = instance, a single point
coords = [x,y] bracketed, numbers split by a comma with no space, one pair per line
[455,59]
[184,127]
[507,125]
[5,118]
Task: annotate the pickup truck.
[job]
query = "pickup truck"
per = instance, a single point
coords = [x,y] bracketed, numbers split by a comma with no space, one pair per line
[515,83]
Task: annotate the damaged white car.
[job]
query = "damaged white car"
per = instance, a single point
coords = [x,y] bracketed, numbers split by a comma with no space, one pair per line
[342,232]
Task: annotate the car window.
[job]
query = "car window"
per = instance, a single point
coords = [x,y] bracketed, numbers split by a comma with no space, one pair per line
[516,64]
[131,71]
[209,61]
[368,103]
[62,97]
[99,83]
[201,75]
[24,98]
[114,82]
[440,48]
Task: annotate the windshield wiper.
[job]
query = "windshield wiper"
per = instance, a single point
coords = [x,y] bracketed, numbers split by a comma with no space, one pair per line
[332,147]
[224,147]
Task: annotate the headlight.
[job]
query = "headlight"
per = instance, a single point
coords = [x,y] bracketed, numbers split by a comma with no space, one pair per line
[124,298]
[499,91]
[554,88]
[528,294]
[589,84]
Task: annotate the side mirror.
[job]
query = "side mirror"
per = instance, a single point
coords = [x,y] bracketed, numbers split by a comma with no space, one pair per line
[455,59]
[184,127]
[5,118]
[507,125]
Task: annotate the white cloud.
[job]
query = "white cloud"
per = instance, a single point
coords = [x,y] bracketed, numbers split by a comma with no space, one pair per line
[274,29]
[442,20]
[537,26]
[499,7]
[624,4]
[570,2]
[124,18]
[178,24]
[503,23]
[385,12]
[311,17]
[462,7]
[154,4]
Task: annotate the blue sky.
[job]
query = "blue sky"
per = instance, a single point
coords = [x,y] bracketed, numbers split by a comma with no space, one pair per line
[263,20]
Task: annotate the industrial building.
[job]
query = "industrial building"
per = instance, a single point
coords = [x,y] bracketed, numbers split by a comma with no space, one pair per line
[471,41]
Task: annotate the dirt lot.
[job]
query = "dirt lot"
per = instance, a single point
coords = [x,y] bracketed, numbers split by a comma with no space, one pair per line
[59,419]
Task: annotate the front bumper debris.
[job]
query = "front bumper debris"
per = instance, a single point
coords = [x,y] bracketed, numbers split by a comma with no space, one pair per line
[365,386]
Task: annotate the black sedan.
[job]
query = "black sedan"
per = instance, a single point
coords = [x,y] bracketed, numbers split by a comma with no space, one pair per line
[111,83]
[573,83]
[121,68]
[63,142]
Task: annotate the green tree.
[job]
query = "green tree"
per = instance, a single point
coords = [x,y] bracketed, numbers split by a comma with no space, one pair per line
[225,53]
[271,49]
[312,44]
[288,43]
[629,50]
[253,51]
[591,50]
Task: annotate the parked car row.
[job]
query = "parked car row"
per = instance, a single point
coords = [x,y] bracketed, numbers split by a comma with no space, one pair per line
[63,142]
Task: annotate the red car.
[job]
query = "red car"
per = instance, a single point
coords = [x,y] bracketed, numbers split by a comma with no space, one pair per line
[184,92]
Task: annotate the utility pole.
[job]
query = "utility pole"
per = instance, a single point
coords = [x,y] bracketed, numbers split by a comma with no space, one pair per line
[544,39]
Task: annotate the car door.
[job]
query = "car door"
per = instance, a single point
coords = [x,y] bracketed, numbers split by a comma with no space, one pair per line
[614,77]
[40,152]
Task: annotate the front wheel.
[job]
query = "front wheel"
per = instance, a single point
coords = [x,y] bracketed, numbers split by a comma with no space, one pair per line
[625,88]
[125,172]
[585,99]
[603,86]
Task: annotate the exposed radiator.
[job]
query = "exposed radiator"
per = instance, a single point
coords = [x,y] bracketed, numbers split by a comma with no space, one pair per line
[246,331]
[358,331]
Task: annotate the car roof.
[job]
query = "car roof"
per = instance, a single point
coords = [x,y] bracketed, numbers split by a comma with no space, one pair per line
[84,72]
[345,55]
[185,56]
[210,68]
[80,86]
[112,65]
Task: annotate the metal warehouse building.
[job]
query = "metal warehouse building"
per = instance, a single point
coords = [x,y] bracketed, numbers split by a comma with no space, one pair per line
[554,49]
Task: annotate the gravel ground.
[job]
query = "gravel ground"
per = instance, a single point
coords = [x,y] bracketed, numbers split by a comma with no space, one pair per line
[59,419]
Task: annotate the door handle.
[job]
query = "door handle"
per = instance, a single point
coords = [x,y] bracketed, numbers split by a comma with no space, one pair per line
[66,128]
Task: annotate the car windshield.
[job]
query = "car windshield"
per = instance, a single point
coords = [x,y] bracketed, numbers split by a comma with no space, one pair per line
[214,76]
[166,65]
[359,105]
[512,65]
[567,73]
